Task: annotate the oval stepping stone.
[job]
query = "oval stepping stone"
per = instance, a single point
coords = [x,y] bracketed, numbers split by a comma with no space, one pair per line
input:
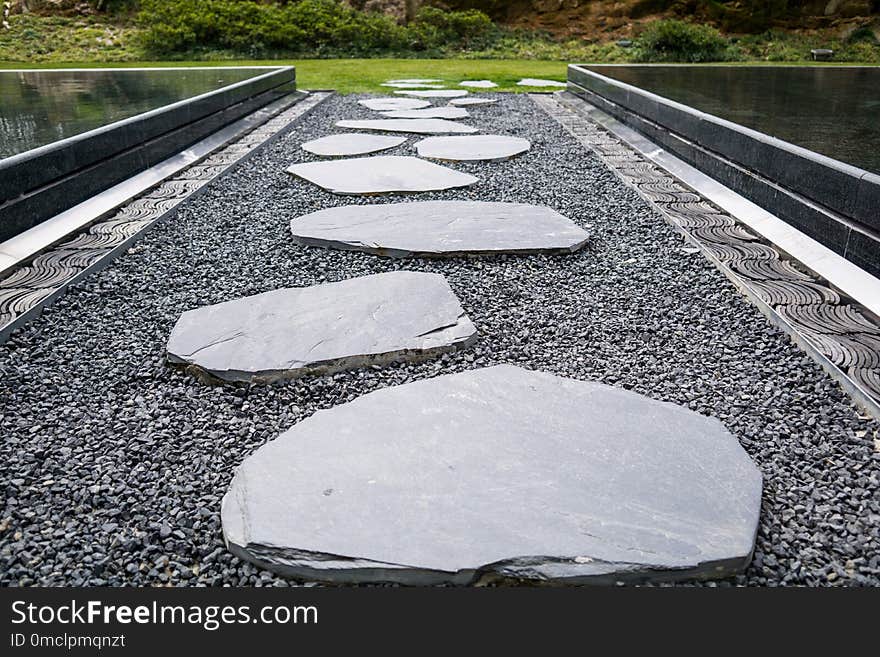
[478,84]
[292,332]
[390,104]
[478,147]
[383,174]
[446,112]
[497,472]
[469,102]
[351,144]
[418,126]
[440,229]
[536,82]
[412,85]
[438,93]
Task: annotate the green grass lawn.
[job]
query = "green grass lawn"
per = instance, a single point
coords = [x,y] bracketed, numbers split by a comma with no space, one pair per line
[367,75]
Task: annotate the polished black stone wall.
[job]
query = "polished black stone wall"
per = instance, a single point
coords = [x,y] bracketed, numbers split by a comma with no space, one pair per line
[40,183]
[832,202]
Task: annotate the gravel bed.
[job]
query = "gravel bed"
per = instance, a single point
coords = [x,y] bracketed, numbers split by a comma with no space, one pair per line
[115,463]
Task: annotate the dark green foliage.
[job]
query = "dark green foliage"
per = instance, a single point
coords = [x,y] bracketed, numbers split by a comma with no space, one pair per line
[679,41]
[316,27]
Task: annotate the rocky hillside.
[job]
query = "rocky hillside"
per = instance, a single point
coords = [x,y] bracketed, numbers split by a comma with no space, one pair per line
[602,19]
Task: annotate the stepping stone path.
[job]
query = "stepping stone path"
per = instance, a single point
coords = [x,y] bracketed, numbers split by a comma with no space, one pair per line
[467,102]
[446,112]
[391,104]
[292,332]
[478,84]
[497,472]
[383,174]
[440,93]
[440,229]
[534,82]
[417,126]
[351,144]
[478,147]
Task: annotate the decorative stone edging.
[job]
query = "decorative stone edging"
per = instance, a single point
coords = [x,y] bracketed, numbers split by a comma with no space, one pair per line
[30,288]
[831,328]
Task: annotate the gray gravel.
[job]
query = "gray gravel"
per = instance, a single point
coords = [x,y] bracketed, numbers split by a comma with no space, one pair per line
[115,463]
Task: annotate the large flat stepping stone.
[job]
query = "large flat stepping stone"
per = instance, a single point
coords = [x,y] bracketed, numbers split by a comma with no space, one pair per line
[537,82]
[445,112]
[351,144]
[437,93]
[292,332]
[471,148]
[383,174]
[416,126]
[390,104]
[472,101]
[440,229]
[478,84]
[498,472]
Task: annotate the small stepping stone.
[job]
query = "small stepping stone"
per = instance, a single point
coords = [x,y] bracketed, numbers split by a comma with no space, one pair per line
[429,113]
[471,148]
[440,229]
[478,84]
[415,81]
[535,82]
[351,144]
[326,328]
[383,174]
[417,126]
[467,102]
[497,473]
[412,85]
[390,104]
[439,93]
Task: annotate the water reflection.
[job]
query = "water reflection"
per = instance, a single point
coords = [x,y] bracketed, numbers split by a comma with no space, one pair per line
[39,107]
[830,110]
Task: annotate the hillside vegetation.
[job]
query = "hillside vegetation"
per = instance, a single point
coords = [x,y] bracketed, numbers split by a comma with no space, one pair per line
[583,30]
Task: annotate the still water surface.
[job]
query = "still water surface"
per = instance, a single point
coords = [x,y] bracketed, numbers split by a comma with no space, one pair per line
[830,110]
[40,107]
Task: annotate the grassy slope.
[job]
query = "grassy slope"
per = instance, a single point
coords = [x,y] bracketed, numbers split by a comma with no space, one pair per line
[367,75]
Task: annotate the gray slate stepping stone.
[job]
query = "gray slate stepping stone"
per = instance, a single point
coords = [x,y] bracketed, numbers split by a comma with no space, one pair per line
[440,229]
[439,93]
[478,84]
[470,148]
[412,85]
[415,81]
[469,102]
[417,126]
[390,104]
[537,82]
[498,472]
[351,144]
[445,112]
[383,174]
[292,332]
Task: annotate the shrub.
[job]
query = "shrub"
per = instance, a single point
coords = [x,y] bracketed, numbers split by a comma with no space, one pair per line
[679,41]
[316,27]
